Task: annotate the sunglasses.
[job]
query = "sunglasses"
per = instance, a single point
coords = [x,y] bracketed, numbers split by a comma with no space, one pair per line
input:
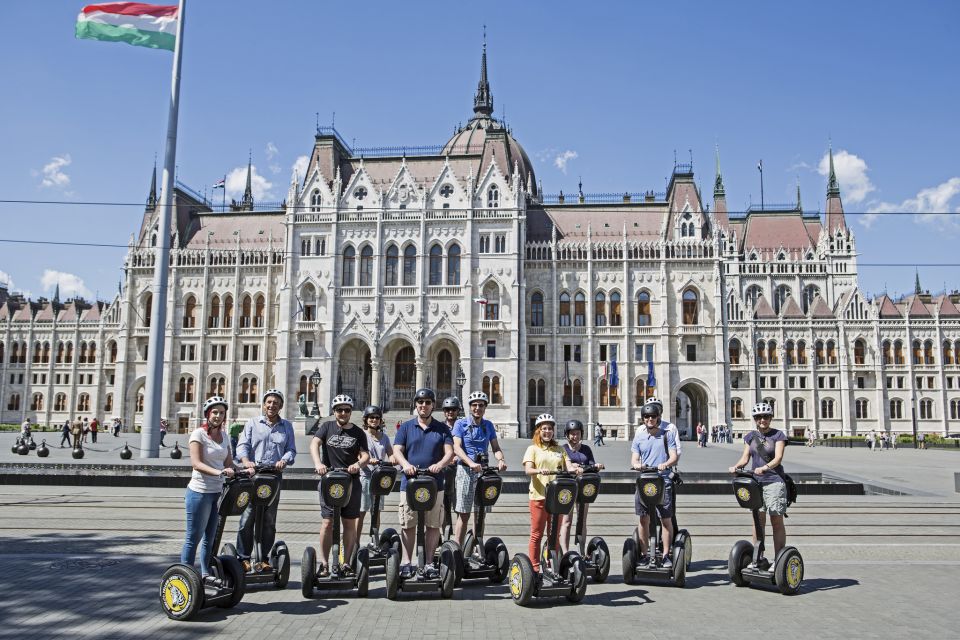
[343,410]
[451,409]
[424,401]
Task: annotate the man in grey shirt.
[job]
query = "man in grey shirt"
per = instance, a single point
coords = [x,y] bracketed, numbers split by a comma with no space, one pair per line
[265,440]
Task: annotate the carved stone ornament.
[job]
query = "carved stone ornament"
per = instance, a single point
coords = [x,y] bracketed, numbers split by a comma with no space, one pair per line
[454,308]
[409,308]
[389,307]
[346,308]
[434,307]
[365,308]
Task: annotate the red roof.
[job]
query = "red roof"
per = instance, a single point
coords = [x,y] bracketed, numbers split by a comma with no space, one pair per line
[888,309]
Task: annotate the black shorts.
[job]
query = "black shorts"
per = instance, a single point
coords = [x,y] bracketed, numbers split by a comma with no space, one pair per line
[351,509]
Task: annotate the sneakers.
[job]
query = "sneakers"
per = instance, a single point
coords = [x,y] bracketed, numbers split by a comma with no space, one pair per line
[667,563]
[406,572]
[246,566]
[323,571]
[212,581]
[644,559]
[431,572]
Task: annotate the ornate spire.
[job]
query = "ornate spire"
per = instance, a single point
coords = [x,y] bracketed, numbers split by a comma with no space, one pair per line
[483,101]
[152,198]
[835,217]
[833,187]
[56,291]
[247,202]
[916,283]
[799,205]
[718,190]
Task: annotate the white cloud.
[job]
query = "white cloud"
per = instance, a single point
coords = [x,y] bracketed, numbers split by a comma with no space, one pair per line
[237,184]
[851,174]
[560,162]
[936,206]
[70,284]
[7,280]
[272,152]
[52,172]
[300,166]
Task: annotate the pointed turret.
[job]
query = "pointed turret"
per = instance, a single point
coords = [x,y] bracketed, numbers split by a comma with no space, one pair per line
[916,283]
[247,203]
[835,217]
[152,198]
[56,294]
[483,101]
[720,197]
[799,204]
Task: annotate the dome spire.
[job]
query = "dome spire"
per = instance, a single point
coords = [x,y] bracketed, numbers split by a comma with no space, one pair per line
[483,101]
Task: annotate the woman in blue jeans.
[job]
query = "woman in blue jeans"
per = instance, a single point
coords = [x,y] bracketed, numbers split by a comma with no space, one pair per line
[211,460]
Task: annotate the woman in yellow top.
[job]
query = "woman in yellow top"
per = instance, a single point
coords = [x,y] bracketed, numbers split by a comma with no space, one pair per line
[541,462]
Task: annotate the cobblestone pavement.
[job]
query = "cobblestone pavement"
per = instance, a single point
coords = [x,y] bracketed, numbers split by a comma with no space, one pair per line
[85,563]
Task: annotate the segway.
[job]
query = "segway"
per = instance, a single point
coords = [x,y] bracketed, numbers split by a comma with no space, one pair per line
[595,554]
[650,485]
[382,481]
[747,564]
[266,489]
[336,487]
[484,558]
[421,493]
[559,576]
[446,529]
[183,592]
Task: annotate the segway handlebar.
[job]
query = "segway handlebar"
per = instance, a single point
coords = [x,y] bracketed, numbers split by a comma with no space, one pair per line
[741,472]
[590,468]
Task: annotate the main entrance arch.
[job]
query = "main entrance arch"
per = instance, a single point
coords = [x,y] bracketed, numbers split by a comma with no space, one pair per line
[691,407]
[354,372]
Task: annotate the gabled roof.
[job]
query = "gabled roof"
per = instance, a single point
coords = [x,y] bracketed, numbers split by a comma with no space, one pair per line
[768,231]
[917,309]
[791,309]
[23,314]
[763,310]
[47,313]
[93,313]
[69,312]
[819,309]
[946,308]
[888,309]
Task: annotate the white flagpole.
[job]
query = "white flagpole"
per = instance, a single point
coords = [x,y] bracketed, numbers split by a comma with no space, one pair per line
[153,399]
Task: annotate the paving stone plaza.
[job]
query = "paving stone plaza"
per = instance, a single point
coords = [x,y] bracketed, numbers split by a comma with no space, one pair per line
[85,562]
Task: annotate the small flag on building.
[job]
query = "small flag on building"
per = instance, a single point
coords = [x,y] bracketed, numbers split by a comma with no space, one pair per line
[614,374]
[480,300]
[651,379]
[220,184]
[136,23]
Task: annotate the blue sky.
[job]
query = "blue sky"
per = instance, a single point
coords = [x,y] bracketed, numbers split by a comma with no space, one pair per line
[616,88]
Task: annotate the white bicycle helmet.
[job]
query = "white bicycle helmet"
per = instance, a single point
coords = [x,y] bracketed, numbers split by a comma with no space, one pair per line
[342,400]
[543,418]
[478,396]
[213,401]
[654,400]
[762,409]
[272,392]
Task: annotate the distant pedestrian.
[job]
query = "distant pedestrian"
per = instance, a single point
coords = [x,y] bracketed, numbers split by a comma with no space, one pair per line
[163,432]
[883,441]
[117,424]
[598,436]
[704,433]
[86,430]
[921,441]
[872,439]
[893,441]
[94,425]
[77,432]
[65,433]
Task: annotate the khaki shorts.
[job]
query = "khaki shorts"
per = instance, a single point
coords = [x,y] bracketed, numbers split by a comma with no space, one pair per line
[408,517]
[775,498]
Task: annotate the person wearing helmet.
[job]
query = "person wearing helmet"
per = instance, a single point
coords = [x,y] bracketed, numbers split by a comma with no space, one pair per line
[211,460]
[472,436]
[541,461]
[421,442]
[451,413]
[764,448]
[653,446]
[582,456]
[665,424]
[267,439]
[344,447]
[378,445]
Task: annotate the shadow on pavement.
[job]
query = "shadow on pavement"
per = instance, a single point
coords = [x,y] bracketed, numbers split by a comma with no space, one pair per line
[811,585]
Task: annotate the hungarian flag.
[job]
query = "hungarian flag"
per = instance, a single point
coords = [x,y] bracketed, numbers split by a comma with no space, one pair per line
[220,184]
[136,23]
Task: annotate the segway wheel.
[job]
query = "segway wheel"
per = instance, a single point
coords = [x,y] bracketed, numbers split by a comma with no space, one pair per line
[389,539]
[788,571]
[599,553]
[522,580]
[281,563]
[233,578]
[392,573]
[458,561]
[363,572]
[740,556]
[495,554]
[228,550]
[578,580]
[469,544]
[308,572]
[629,560]
[448,573]
[679,567]
[687,548]
[181,592]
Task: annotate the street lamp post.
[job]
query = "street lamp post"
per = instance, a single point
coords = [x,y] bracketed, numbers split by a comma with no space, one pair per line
[461,381]
[913,417]
[315,379]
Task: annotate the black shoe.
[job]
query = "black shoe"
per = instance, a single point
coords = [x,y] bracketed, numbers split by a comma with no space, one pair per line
[431,572]
[212,581]
[667,563]
[644,560]
[406,572]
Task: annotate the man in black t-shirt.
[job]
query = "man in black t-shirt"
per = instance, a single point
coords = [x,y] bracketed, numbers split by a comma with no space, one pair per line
[344,447]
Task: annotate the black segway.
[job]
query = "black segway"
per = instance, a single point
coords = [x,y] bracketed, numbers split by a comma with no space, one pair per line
[747,564]
[336,486]
[559,576]
[183,592]
[446,529]
[421,495]
[382,481]
[650,484]
[595,554]
[485,558]
[266,488]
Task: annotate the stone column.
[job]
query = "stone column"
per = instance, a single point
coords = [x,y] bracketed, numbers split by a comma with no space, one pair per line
[375,382]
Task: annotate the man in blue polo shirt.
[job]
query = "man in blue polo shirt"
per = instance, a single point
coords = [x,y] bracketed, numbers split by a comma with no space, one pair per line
[472,436]
[655,447]
[267,440]
[426,443]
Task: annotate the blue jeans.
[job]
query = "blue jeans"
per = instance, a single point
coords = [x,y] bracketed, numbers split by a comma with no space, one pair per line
[201,525]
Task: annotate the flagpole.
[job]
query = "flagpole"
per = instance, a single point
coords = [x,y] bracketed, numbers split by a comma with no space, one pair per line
[224,208]
[760,167]
[153,398]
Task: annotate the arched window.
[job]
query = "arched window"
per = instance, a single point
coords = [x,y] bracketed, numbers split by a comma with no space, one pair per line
[83,402]
[896,409]
[831,352]
[797,409]
[600,309]
[859,351]
[801,352]
[453,265]
[410,266]
[108,403]
[563,315]
[790,352]
[1,351]
[773,356]
[736,408]
[783,292]
[643,309]
[316,200]
[898,357]
[928,352]
[366,266]
[579,310]
[436,265]
[227,311]
[955,409]
[917,352]
[926,409]
[493,197]
[258,311]
[60,402]
[190,313]
[147,310]
[217,386]
[491,293]
[68,358]
[826,408]
[947,353]
[184,390]
[536,309]
[491,387]
[248,390]
[45,355]
[809,293]
[604,392]
[821,354]
[761,352]
[349,266]
[616,313]
[691,311]
[752,295]
[542,392]
[14,403]
[577,393]
[537,392]
[37,352]
[246,310]
[862,408]
[887,349]
[92,352]
[36,402]
[393,259]
[734,351]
